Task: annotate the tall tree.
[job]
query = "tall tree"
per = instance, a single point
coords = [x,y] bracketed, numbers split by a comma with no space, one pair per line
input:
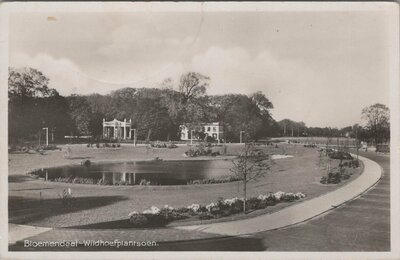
[32,104]
[377,121]
[193,85]
[28,82]
[251,164]
[80,113]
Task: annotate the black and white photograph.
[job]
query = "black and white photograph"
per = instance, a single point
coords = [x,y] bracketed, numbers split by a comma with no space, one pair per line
[199,130]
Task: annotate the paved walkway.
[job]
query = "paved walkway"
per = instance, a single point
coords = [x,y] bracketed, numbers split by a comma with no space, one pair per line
[360,225]
[299,212]
[219,231]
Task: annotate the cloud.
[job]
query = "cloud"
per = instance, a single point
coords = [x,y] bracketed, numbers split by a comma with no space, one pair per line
[132,42]
[63,73]
[292,85]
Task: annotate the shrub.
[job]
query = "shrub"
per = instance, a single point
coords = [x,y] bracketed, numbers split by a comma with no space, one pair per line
[200,150]
[335,177]
[222,179]
[171,145]
[215,153]
[354,164]
[253,204]
[121,183]
[86,163]
[82,180]
[144,182]
[88,145]
[138,220]
[205,215]
[97,145]
[221,208]
[340,155]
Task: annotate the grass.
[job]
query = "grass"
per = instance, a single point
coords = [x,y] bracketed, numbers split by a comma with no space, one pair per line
[298,174]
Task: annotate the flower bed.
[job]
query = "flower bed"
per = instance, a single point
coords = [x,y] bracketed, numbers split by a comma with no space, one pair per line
[159,144]
[221,208]
[222,179]
[340,174]
[204,149]
[340,155]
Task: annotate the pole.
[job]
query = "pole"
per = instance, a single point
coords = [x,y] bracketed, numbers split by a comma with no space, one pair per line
[357,142]
[241,136]
[47,135]
[134,137]
[191,137]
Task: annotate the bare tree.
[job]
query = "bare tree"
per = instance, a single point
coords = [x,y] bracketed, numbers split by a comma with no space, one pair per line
[251,164]
[376,118]
[193,85]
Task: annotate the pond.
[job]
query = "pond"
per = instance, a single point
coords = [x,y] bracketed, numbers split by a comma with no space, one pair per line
[153,172]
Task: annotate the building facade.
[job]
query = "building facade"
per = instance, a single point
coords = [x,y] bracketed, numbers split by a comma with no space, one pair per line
[214,130]
[117,130]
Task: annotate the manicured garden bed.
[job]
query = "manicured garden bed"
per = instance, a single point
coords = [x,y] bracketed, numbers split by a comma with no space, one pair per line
[221,208]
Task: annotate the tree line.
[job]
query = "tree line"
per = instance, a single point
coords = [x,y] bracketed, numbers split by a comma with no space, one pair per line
[157,112]
[376,128]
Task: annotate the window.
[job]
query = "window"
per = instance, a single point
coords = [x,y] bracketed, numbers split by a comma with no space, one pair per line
[215,129]
[208,129]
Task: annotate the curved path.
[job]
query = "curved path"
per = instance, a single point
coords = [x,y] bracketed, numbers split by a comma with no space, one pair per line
[362,224]
[299,212]
[214,236]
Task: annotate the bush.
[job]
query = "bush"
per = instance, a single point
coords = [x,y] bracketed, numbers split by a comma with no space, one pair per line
[205,215]
[159,144]
[86,163]
[335,177]
[97,145]
[171,145]
[144,182]
[121,183]
[81,180]
[138,220]
[253,204]
[221,208]
[222,179]
[340,155]
[49,147]
[201,150]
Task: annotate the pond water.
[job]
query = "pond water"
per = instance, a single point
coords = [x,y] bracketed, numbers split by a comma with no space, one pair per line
[132,173]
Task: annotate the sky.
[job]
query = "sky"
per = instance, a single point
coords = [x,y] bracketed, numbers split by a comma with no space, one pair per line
[321,68]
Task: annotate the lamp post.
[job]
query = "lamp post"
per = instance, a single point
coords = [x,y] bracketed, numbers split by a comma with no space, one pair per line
[134,137]
[47,135]
[52,134]
[241,139]
[191,137]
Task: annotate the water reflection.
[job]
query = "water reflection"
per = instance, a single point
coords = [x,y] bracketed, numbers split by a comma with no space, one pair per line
[132,173]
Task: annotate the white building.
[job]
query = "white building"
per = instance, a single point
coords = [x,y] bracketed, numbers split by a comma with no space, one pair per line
[214,130]
[117,129]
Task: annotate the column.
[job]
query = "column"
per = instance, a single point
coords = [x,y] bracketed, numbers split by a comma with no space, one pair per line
[130,128]
[115,130]
[125,129]
[218,134]
[104,133]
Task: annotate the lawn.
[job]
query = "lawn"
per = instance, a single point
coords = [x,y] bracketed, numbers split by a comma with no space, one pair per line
[36,202]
